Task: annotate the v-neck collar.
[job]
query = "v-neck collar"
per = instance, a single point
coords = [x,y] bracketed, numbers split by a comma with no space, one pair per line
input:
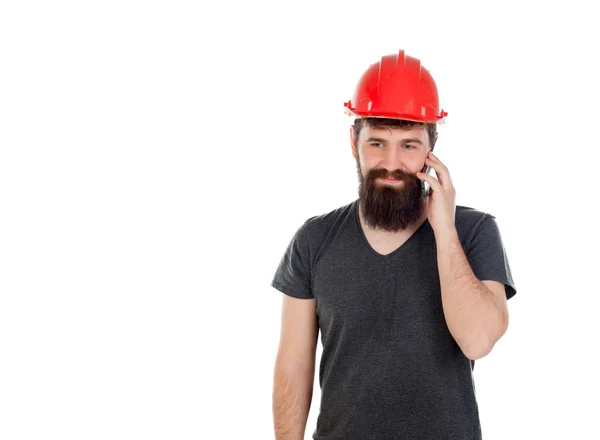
[399,249]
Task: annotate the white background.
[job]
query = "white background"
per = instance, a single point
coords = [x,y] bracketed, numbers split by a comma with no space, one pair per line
[157,157]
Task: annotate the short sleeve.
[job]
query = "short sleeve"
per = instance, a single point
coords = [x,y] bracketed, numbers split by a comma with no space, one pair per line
[292,276]
[487,256]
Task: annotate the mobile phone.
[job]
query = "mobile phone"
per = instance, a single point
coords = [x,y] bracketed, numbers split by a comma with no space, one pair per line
[425,186]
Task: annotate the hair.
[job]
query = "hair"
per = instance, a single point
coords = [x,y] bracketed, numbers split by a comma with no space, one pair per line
[359,123]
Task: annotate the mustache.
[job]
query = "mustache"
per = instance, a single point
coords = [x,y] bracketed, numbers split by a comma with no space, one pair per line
[396,174]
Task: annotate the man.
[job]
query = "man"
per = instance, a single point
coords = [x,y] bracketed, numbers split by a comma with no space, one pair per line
[407,289]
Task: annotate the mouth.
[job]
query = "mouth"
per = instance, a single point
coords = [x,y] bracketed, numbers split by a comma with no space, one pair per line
[388,179]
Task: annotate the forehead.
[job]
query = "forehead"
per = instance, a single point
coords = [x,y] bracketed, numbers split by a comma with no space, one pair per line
[394,133]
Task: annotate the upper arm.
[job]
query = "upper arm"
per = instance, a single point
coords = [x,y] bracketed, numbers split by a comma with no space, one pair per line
[499,291]
[299,332]
[488,259]
[299,321]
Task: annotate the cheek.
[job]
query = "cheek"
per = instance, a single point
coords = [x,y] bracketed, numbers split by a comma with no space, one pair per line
[367,162]
[365,167]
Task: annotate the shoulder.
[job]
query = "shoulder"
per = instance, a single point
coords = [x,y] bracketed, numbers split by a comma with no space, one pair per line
[468,217]
[327,219]
[468,220]
[316,228]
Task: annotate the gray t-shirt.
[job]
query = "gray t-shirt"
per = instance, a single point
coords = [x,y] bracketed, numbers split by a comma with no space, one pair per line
[390,368]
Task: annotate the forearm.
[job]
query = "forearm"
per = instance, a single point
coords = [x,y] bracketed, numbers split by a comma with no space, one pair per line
[474,317]
[292,395]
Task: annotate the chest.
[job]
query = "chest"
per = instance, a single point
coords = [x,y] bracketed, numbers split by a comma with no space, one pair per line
[365,297]
[385,244]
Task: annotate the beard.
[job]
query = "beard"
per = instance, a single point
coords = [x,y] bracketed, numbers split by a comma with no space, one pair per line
[390,207]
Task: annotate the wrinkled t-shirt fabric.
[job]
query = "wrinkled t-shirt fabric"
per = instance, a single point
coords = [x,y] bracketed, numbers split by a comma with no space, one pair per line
[389,369]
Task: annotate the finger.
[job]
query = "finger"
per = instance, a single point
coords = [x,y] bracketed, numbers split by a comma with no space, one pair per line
[433,182]
[441,171]
[436,159]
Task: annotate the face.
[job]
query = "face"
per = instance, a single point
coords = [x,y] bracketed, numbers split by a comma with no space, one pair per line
[390,205]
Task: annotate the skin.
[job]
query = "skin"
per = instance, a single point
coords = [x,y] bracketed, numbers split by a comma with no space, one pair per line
[371,157]
[475,310]
[391,208]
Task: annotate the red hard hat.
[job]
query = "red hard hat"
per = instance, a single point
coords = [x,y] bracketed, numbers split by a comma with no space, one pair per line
[396,87]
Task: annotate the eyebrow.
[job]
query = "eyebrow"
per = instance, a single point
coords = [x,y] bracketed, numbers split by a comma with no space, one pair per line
[376,139]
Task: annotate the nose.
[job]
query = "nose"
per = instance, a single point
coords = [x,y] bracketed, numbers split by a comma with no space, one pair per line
[392,161]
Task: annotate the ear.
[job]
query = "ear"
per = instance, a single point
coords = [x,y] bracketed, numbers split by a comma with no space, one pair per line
[354,151]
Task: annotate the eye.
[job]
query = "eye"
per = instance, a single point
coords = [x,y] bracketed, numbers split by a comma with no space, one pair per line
[377,144]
